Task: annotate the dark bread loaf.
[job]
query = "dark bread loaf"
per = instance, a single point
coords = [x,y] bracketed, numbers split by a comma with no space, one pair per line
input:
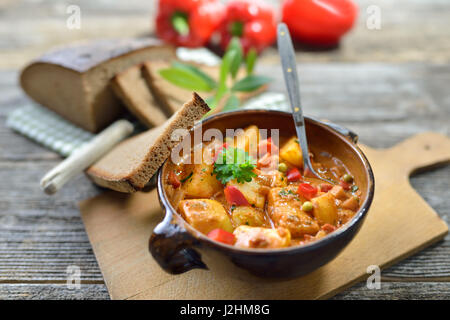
[74,81]
[132,163]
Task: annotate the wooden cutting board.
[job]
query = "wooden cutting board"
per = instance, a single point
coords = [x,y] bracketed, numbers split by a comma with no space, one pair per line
[399,224]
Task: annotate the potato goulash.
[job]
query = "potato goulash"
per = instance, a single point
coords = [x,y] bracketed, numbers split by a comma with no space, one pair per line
[266,203]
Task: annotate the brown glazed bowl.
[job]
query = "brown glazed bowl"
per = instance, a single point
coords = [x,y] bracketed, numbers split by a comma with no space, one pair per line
[178,247]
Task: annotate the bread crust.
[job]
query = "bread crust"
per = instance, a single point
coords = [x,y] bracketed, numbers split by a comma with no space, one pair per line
[125,170]
[87,98]
[131,88]
[83,56]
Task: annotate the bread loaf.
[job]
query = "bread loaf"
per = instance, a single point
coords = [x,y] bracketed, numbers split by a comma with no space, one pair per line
[74,81]
[132,89]
[131,164]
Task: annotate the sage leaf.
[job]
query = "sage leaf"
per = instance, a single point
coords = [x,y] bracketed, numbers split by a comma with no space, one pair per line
[235,45]
[250,83]
[250,60]
[185,78]
[199,72]
[232,103]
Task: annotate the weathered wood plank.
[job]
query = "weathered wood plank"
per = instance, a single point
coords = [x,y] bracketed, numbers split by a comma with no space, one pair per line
[52,291]
[399,291]
[420,33]
[389,290]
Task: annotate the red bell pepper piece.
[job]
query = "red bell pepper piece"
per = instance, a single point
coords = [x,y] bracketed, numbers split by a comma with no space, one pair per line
[325,187]
[328,228]
[319,22]
[222,236]
[346,186]
[252,21]
[188,23]
[307,191]
[293,174]
[235,197]
[174,180]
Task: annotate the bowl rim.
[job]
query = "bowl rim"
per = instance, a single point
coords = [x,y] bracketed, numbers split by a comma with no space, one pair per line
[315,245]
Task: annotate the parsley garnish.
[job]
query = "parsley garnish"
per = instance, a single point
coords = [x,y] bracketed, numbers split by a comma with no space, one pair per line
[185,179]
[234,163]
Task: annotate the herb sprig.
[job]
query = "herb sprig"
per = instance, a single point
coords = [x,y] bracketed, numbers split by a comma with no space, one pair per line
[223,93]
[234,163]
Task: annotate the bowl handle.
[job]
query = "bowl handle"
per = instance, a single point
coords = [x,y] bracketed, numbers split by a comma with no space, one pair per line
[172,247]
[352,136]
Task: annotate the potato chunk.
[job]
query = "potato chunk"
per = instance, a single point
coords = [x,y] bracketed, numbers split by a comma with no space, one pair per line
[291,152]
[325,209]
[248,216]
[202,183]
[205,215]
[249,140]
[284,208]
[256,237]
[253,191]
[338,192]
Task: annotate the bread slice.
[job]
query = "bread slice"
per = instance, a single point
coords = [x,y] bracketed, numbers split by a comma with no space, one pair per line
[131,164]
[74,81]
[170,96]
[132,89]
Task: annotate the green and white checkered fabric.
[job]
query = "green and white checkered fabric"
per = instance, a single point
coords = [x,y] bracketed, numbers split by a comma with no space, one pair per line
[48,129]
[52,131]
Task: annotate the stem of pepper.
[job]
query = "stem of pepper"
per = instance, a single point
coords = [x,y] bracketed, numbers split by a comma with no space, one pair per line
[180,23]
[237,28]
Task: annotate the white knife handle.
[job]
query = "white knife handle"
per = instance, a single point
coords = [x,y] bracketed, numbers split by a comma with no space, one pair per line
[83,158]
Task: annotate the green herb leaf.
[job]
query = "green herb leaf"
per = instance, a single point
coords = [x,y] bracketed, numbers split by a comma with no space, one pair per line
[180,23]
[223,75]
[250,60]
[185,78]
[225,66]
[235,45]
[187,178]
[233,163]
[354,188]
[232,103]
[197,71]
[250,83]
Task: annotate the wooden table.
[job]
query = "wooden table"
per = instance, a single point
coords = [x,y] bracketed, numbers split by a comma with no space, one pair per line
[384,84]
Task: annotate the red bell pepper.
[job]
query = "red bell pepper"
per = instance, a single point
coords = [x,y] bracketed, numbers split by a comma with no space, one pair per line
[328,228]
[293,174]
[173,179]
[222,236]
[188,23]
[235,197]
[252,21]
[307,191]
[319,22]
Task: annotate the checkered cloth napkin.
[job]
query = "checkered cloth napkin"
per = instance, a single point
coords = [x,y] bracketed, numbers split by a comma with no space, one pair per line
[55,133]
